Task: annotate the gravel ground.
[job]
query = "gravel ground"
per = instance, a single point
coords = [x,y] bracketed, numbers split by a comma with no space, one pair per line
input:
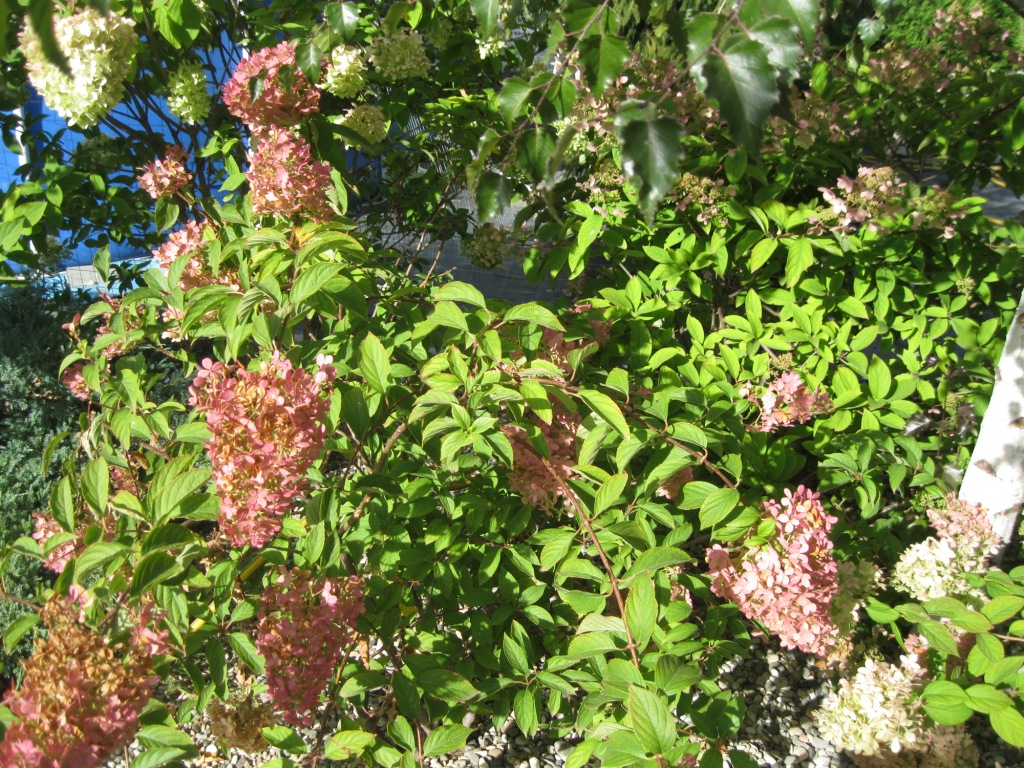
[781,690]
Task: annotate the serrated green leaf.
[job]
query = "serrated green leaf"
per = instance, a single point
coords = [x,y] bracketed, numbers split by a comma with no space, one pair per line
[717,506]
[603,58]
[650,147]
[445,739]
[446,685]
[653,723]
[641,611]
[741,80]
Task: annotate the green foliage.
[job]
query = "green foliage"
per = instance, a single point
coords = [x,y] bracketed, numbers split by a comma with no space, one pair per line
[528,492]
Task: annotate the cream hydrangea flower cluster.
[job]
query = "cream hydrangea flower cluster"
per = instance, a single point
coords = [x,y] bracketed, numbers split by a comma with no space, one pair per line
[187,99]
[876,710]
[100,50]
[344,74]
[936,566]
[368,121]
[400,55]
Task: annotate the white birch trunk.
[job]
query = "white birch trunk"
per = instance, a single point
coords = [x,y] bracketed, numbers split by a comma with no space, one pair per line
[995,476]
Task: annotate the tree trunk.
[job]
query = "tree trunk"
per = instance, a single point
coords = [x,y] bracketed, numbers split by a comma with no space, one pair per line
[995,476]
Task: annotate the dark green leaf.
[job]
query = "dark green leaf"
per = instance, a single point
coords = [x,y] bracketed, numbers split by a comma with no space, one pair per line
[493,195]
[486,12]
[153,569]
[310,60]
[603,58]
[343,18]
[651,148]
[742,82]
[446,685]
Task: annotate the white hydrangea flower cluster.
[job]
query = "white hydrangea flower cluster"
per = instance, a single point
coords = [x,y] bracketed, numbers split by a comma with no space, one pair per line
[928,570]
[876,710]
[188,100]
[936,566]
[344,75]
[368,121]
[101,54]
[400,56]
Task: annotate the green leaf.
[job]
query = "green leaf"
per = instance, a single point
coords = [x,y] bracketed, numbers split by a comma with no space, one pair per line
[779,39]
[446,685]
[464,292]
[514,654]
[654,559]
[310,60]
[17,629]
[41,16]
[486,12]
[493,195]
[246,650]
[445,739]
[533,149]
[375,364]
[946,702]
[1009,725]
[742,82]
[400,730]
[343,18]
[987,699]
[312,279]
[603,58]
[607,409]
[718,504]
[650,151]
[155,568]
[524,708]
[96,485]
[652,720]
[159,756]
[285,738]
[344,745]
[803,13]
[532,312]
[96,556]
[801,257]
[641,611]
[1002,608]
[879,378]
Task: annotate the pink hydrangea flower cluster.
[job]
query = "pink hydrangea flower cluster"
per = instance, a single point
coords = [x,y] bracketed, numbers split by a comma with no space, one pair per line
[73,379]
[286,180]
[965,522]
[530,477]
[45,529]
[787,584]
[303,628]
[280,96]
[878,196]
[266,432]
[82,695]
[785,402]
[167,176]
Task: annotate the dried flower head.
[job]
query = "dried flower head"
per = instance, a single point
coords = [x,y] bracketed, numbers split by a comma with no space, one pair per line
[82,694]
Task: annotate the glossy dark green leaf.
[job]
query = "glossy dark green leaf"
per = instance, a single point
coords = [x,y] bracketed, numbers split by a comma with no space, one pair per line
[486,12]
[310,60]
[651,148]
[603,58]
[493,195]
[343,18]
[742,82]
